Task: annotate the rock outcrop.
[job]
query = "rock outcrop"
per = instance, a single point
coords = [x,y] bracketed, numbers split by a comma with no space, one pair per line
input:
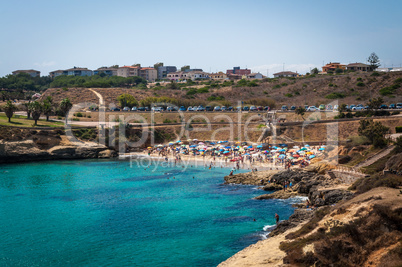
[28,150]
[250,178]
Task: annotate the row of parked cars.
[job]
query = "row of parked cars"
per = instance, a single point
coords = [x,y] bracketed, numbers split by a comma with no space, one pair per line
[352,107]
[194,108]
[322,107]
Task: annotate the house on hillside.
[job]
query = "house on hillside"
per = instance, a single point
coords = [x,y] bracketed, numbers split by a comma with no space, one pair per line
[332,66]
[163,71]
[33,73]
[255,76]
[218,76]
[55,73]
[128,71]
[107,71]
[150,74]
[177,76]
[194,75]
[77,71]
[286,74]
[237,70]
[358,67]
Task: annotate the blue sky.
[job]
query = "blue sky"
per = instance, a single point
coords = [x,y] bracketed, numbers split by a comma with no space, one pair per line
[265,36]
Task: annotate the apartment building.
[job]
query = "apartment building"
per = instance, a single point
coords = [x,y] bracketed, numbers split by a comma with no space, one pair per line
[33,73]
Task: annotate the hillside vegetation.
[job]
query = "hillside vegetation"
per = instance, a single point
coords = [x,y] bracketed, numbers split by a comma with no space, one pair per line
[351,88]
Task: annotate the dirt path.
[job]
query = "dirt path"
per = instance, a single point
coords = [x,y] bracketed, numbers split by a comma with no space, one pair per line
[101,102]
[376,157]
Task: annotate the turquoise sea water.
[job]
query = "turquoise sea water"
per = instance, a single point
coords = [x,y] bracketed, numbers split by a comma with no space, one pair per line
[108,213]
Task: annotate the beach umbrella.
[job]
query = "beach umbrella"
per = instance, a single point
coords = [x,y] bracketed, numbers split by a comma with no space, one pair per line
[306,146]
[178,141]
[259,146]
[282,150]
[250,147]
[201,143]
[303,149]
[149,147]
[183,145]
[311,156]
[282,156]
[291,158]
[160,145]
[193,146]
[189,140]
[226,152]
[296,156]
[275,147]
[296,147]
[212,143]
[201,150]
[309,153]
[228,147]
[247,154]
[321,149]
[195,139]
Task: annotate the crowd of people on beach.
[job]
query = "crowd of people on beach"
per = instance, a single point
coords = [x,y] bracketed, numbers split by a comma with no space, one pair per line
[237,154]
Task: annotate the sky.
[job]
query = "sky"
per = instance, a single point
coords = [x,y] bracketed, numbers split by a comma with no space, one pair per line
[265,36]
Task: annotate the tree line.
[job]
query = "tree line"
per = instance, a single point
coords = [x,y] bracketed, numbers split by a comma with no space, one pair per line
[97,81]
[36,108]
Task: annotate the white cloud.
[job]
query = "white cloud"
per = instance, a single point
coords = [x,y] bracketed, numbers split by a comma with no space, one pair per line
[45,64]
[273,68]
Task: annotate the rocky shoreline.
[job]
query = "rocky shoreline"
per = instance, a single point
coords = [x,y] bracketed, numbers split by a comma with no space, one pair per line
[321,191]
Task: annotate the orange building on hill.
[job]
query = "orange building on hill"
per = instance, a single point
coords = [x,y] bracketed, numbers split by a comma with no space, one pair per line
[332,66]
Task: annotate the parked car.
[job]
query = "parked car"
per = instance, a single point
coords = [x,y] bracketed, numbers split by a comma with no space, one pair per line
[321,107]
[383,106]
[217,108]
[312,108]
[357,108]
[246,108]
[266,108]
[190,108]
[306,107]
[134,109]
[141,109]
[392,106]
[336,107]
[182,108]
[147,109]
[115,109]
[293,108]
[208,108]
[200,108]
[169,109]
[329,107]
[259,108]
[238,109]
[230,108]
[399,105]
[284,108]
[157,109]
[253,108]
[223,108]
[126,109]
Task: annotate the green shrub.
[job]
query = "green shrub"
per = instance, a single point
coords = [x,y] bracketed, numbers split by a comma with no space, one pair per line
[288,95]
[335,95]
[386,91]
[277,86]
[284,84]
[375,74]
[78,114]
[76,119]
[398,129]
[167,121]
[360,84]
[203,90]
[398,81]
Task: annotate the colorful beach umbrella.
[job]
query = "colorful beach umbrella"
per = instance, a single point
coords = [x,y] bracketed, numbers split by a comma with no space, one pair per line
[311,156]
[321,149]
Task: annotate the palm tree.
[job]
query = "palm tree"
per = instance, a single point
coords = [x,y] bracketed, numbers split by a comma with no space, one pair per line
[65,106]
[9,109]
[36,108]
[47,108]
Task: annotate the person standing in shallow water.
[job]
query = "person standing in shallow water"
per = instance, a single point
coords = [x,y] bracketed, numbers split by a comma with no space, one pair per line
[277,218]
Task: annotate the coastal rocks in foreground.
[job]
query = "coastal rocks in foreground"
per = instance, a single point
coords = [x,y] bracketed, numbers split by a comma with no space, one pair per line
[250,178]
[28,150]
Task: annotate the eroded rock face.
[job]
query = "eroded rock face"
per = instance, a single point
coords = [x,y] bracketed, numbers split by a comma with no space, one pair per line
[28,150]
[250,178]
[22,150]
[300,215]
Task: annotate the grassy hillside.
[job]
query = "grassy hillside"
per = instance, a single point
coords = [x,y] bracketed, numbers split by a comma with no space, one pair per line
[351,88]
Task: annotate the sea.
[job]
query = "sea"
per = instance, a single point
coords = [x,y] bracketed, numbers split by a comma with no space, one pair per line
[127,213]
